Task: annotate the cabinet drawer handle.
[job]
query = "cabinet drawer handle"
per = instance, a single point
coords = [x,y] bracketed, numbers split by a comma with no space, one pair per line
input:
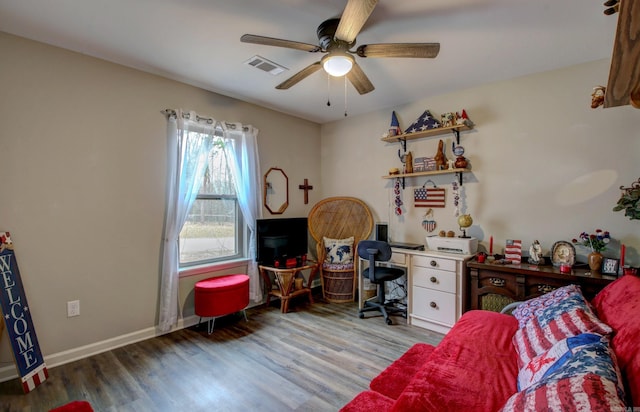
[433,305]
[433,279]
[433,263]
[497,282]
[545,288]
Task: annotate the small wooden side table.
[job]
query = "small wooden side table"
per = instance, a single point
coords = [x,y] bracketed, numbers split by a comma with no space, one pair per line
[285,280]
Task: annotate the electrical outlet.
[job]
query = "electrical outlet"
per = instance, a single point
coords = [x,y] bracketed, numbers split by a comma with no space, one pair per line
[73,308]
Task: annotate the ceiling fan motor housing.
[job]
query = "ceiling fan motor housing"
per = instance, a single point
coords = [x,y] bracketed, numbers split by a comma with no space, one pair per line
[326,36]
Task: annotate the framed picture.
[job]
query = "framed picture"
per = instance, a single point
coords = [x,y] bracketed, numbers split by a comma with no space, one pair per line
[610,266]
[563,252]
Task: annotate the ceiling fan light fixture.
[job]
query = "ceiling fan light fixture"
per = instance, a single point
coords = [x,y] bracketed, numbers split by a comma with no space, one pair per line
[337,64]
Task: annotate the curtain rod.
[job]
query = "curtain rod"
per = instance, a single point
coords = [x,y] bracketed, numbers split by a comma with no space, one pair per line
[185,115]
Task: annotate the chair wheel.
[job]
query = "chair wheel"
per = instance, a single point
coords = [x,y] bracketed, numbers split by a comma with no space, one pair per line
[361,315]
[389,322]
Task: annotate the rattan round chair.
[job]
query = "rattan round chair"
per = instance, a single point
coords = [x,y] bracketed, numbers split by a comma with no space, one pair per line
[339,218]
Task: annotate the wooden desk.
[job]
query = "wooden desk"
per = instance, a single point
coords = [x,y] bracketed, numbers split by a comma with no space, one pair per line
[285,283]
[493,286]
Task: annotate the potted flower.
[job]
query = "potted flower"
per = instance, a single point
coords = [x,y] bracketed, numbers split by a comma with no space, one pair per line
[597,242]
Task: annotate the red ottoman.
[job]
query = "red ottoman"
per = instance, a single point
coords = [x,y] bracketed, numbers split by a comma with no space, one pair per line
[221,296]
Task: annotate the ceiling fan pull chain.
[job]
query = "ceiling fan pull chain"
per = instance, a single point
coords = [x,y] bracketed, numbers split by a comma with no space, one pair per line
[328,90]
[345,95]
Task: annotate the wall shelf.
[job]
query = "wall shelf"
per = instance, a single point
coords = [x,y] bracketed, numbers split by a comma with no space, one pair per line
[455,129]
[402,176]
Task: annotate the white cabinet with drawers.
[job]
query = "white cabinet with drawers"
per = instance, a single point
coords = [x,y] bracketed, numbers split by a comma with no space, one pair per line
[435,289]
[434,286]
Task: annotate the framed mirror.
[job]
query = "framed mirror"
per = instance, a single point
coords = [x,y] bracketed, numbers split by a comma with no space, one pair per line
[276,191]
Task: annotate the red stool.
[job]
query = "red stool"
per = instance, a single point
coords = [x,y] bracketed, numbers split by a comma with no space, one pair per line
[221,296]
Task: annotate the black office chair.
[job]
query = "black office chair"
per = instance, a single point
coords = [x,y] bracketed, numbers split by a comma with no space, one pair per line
[378,251]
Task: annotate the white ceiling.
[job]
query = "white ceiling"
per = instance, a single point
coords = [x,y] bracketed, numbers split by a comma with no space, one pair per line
[198,42]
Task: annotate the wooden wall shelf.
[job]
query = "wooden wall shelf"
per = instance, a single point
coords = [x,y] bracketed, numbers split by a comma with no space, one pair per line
[402,176]
[427,173]
[428,133]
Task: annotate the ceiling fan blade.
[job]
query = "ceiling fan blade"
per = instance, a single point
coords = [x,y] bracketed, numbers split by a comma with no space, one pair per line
[270,41]
[359,80]
[355,14]
[301,75]
[420,50]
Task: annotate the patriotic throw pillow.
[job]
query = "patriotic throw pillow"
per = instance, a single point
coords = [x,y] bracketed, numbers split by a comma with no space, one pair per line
[552,360]
[534,307]
[587,380]
[338,251]
[568,317]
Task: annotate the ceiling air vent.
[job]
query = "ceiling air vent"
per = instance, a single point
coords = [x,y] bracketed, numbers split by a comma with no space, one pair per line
[265,65]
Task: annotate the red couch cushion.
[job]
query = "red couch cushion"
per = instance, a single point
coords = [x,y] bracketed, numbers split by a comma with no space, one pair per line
[392,381]
[618,305]
[368,401]
[75,406]
[474,368]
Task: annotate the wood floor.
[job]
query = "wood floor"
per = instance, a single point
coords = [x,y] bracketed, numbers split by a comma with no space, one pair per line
[314,358]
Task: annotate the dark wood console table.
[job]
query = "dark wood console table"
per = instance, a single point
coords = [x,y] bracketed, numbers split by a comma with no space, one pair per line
[493,286]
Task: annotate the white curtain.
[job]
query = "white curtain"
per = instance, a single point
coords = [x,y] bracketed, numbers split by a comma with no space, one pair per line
[190,139]
[242,151]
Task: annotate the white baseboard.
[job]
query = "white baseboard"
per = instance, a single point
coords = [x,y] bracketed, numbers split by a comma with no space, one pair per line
[10,372]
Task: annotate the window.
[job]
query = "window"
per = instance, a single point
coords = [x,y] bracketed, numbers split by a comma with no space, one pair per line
[214,228]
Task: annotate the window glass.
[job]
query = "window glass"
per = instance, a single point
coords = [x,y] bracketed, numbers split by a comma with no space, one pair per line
[213,229]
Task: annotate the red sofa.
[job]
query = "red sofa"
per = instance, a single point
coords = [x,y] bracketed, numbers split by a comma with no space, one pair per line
[476,366]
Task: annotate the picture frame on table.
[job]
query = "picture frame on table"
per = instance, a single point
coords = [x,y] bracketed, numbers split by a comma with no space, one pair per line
[610,266]
[563,253]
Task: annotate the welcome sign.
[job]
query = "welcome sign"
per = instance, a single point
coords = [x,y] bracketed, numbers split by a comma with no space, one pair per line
[17,319]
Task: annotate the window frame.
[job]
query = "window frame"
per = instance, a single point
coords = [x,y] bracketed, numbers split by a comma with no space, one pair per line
[240,236]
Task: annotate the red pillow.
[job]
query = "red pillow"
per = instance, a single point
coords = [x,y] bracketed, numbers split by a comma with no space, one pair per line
[618,305]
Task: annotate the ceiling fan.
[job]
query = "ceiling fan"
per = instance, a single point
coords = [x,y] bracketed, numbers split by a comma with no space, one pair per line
[336,38]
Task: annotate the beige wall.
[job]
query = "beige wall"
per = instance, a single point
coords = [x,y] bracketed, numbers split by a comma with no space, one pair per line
[83,150]
[545,165]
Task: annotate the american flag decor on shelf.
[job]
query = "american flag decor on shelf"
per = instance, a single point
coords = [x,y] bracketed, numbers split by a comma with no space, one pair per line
[513,251]
[429,197]
[425,122]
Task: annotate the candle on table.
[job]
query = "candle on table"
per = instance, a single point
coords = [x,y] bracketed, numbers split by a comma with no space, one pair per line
[491,245]
[622,251]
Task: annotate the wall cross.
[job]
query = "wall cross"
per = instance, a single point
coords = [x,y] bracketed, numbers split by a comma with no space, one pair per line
[306,187]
